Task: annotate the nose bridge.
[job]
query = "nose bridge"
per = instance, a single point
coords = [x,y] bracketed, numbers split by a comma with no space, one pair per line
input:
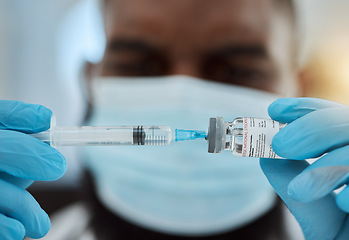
[185,67]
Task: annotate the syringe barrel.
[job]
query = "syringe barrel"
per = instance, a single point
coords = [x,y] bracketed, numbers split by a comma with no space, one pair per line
[116,135]
[80,136]
[157,135]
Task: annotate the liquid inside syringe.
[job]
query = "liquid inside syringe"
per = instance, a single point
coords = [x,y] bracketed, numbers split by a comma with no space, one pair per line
[116,135]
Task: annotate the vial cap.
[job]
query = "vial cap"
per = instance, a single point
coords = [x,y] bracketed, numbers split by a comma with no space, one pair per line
[216,135]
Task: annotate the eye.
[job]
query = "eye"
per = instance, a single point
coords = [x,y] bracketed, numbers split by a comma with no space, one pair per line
[243,73]
[134,65]
[145,68]
[234,74]
[255,74]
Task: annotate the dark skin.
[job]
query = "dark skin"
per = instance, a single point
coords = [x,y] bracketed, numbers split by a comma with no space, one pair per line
[242,42]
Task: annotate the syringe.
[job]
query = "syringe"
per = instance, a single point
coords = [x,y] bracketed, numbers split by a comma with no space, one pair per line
[115,135]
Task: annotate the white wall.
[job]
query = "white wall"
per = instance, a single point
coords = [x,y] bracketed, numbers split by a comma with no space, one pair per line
[325,44]
[322,22]
[29,69]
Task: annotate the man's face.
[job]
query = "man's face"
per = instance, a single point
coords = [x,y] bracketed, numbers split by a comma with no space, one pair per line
[242,42]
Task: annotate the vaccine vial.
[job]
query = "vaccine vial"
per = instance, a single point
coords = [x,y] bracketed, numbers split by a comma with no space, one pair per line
[244,137]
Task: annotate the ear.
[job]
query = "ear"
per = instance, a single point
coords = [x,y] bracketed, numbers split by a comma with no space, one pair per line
[305,82]
[297,86]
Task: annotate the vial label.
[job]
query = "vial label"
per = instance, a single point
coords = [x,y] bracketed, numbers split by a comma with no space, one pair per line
[257,137]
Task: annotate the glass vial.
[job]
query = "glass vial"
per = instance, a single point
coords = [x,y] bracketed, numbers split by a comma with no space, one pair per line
[244,137]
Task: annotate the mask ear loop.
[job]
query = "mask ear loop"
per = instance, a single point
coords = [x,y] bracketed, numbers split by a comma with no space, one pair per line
[52,129]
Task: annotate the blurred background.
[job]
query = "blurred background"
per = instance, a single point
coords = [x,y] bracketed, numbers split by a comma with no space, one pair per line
[44,43]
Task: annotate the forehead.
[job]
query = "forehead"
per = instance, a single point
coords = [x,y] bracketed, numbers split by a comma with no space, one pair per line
[179,22]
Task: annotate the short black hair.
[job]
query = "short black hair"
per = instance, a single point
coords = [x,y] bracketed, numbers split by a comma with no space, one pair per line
[286,5]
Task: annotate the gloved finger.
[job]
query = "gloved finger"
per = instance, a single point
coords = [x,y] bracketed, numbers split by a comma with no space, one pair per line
[344,233]
[287,110]
[321,219]
[342,199]
[24,117]
[19,204]
[26,157]
[322,177]
[11,229]
[314,134]
[19,182]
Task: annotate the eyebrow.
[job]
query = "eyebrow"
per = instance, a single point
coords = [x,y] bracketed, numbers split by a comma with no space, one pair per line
[253,50]
[241,50]
[133,45]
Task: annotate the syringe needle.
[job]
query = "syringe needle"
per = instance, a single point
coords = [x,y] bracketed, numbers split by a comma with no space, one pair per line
[182,135]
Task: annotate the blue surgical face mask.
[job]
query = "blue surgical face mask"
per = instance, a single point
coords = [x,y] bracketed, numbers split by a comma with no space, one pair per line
[180,188]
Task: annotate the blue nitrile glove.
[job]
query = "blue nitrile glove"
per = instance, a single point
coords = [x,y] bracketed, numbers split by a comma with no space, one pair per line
[24,159]
[315,127]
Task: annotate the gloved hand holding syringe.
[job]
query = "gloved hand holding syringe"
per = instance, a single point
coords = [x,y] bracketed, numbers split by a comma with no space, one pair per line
[245,137]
